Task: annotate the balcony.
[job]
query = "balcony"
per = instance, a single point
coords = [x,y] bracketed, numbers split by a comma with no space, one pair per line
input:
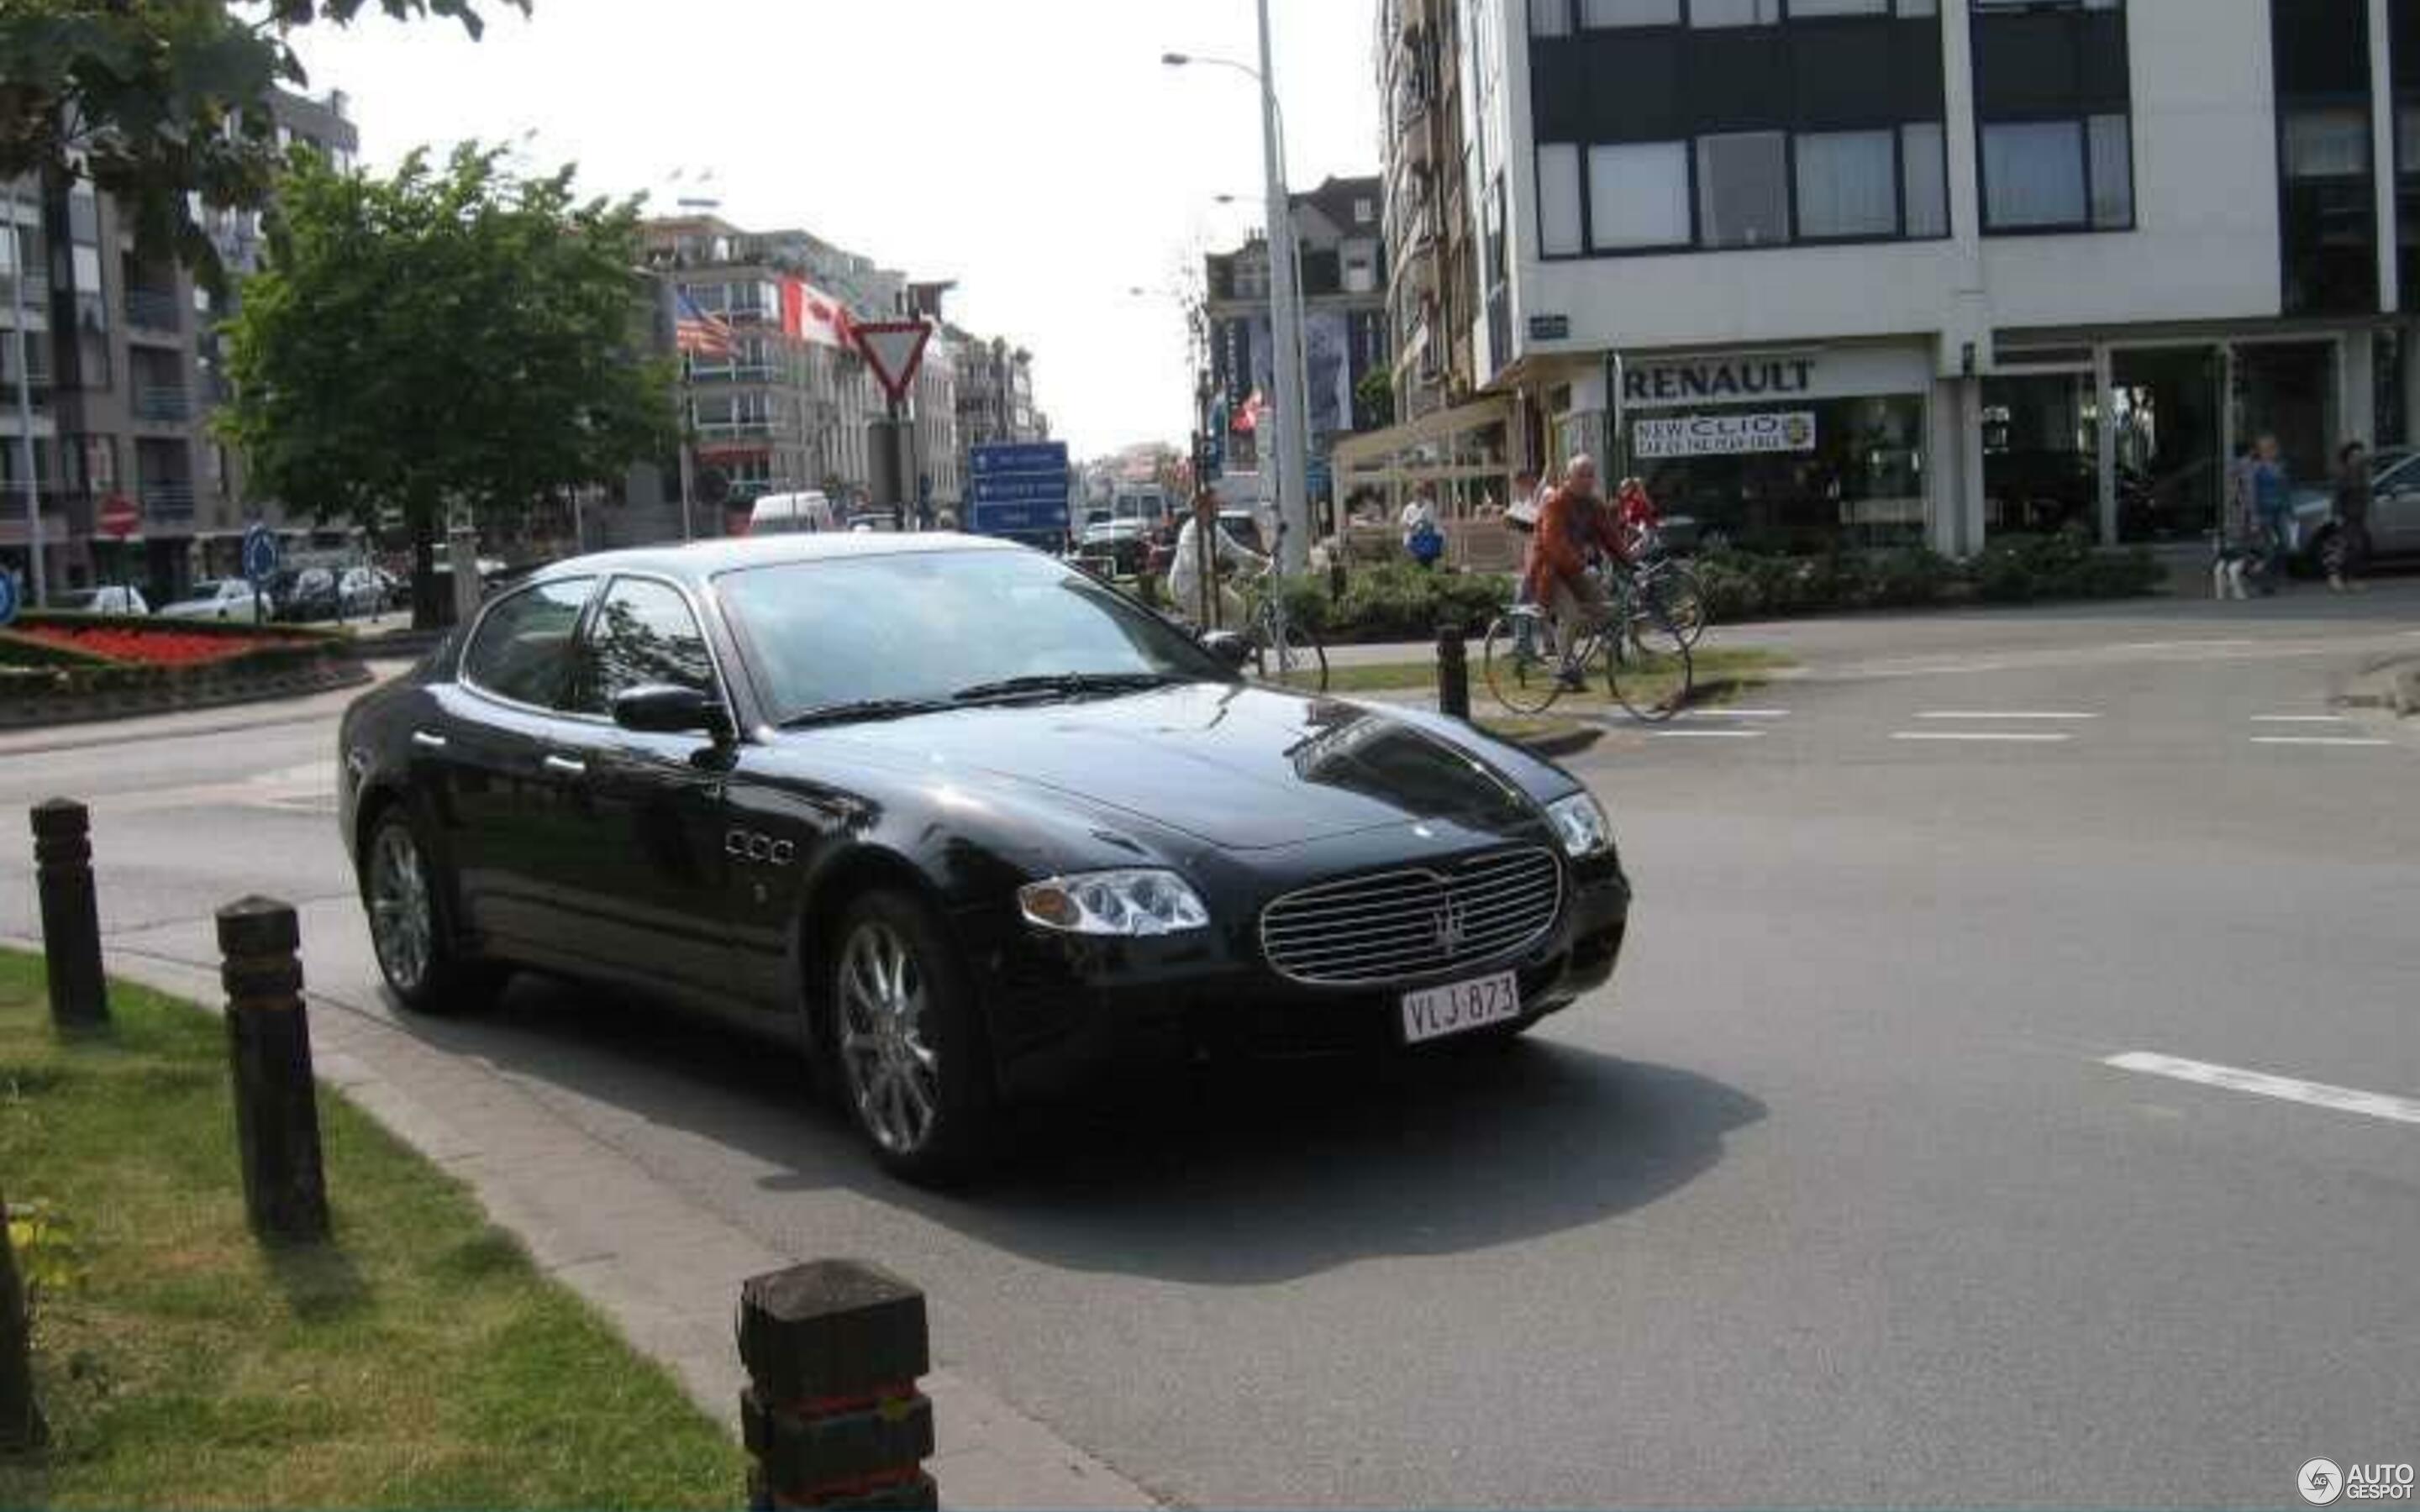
[155,310]
[725,430]
[167,504]
[734,373]
[166,403]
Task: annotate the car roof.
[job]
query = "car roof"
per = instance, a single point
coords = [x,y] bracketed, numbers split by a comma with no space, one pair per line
[698,561]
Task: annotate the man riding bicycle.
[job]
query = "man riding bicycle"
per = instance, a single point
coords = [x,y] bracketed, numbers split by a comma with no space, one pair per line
[1203,552]
[1573,522]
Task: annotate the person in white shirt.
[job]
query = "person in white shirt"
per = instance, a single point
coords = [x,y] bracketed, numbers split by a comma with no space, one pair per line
[1186,575]
[1418,512]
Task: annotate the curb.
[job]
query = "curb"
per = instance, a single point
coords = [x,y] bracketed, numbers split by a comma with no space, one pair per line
[326,676]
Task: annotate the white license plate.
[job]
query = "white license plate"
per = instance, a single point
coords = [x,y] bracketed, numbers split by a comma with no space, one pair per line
[1434,1012]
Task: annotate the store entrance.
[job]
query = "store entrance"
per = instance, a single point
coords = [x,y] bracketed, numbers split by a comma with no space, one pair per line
[2170,470]
[2288,390]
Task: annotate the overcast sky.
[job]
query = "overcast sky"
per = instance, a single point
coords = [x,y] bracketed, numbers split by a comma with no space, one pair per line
[1038,153]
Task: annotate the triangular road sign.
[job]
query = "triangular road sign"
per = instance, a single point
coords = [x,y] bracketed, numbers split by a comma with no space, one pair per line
[894,350]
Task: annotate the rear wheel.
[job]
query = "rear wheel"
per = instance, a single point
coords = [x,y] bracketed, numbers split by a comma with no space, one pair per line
[1522,676]
[913,1066]
[408,900]
[1291,656]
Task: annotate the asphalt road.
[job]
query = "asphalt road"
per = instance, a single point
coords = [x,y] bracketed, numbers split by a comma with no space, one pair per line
[1833,1198]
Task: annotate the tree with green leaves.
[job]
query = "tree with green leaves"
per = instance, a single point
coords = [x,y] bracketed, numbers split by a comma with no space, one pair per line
[157,99]
[451,338]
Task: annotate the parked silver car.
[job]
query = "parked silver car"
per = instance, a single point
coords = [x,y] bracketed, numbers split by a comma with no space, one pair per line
[2393,510]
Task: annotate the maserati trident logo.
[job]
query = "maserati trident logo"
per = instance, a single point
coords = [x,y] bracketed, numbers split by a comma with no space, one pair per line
[1452,928]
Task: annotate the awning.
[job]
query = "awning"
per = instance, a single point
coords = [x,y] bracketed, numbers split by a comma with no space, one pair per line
[1423,447]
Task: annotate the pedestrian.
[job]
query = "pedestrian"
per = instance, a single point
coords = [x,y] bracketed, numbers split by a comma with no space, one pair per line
[1521,517]
[1203,551]
[2348,546]
[1418,523]
[2234,542]
[2272,506]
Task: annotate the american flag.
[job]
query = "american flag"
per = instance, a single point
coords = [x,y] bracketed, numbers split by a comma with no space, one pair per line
[698,334]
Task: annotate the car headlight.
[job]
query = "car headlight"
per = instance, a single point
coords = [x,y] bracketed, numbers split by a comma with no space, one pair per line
[1580,820]
[1113,903]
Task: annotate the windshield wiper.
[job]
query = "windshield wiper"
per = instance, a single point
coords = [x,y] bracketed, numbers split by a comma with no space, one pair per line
[1063,685]
[861,710]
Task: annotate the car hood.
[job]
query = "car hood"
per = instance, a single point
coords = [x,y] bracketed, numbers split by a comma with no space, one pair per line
[1233,767]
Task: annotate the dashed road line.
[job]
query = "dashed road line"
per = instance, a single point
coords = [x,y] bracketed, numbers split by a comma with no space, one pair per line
[2012,714]
[2300,718]
[2260,1084]
[1706,735]
[1736,714]
[2318,740]
[1982,736]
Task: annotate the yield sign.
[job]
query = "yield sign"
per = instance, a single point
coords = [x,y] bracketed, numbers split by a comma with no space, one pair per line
[894,350]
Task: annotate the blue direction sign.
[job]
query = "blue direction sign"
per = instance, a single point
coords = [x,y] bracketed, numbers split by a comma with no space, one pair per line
[1018,490]
[259,553]
[9,600]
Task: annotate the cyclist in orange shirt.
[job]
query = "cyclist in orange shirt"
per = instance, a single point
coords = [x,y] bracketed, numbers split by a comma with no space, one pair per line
[1573,521]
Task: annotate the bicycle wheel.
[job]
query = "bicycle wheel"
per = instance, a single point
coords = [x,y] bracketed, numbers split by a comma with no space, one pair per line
[1289,656]
[1648,666]
[1524,681]
[1672,589]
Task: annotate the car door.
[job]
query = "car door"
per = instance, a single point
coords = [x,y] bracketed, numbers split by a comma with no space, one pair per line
[2395,508]
[649,866]
[504,810]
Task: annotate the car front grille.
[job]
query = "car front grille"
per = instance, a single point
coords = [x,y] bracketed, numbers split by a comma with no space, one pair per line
[1415,921]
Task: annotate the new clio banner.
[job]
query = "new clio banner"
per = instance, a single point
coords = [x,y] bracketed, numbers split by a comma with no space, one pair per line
[1723,435]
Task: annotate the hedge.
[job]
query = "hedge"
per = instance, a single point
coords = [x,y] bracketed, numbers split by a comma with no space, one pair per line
[1400,602]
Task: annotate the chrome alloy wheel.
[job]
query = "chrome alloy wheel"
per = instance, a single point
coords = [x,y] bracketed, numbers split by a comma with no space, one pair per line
[893,1075]
[402,923]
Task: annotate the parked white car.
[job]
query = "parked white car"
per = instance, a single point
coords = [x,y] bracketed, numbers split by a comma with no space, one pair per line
[109,599]
[362,591]
[224,598]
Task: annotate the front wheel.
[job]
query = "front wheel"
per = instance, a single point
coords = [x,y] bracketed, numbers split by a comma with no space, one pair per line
[913,1066]
[1673,590]
[1521,669]
[1291,656]
[1648,664]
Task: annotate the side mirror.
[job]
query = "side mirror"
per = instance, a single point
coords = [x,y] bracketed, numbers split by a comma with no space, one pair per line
[1228,647]
[663,709]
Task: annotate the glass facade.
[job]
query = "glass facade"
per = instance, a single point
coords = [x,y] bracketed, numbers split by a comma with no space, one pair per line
[1842,473]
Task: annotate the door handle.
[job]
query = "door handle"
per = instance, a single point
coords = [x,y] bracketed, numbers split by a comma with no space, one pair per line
[566,766]
[428,740]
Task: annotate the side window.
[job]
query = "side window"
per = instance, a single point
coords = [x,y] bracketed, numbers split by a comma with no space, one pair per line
[644,633]
[522,650]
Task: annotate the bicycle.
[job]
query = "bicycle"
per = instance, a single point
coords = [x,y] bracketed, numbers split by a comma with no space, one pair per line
[1284,651]
[1647,662]
[1671,585]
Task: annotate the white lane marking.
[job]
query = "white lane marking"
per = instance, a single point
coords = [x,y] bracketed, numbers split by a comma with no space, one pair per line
[2005,714]
[1736,714]
[2318,740]
[2177,645]
[2002,735]
[1706,735]
[2260,1084]
[2300,718]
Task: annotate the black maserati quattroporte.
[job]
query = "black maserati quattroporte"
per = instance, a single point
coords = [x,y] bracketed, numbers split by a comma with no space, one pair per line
[957,821]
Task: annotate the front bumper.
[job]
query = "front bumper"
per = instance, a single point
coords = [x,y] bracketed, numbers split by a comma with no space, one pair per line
[1063,1011]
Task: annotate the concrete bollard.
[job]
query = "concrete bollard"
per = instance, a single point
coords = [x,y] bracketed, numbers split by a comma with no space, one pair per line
[268,1052]
[832,1415]
[70,914]
[1453,672]
[20,1414]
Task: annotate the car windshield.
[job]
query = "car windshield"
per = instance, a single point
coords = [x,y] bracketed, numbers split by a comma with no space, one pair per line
[925,625]
[215,588]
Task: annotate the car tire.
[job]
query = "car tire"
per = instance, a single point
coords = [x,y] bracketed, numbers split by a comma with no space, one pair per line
[909,1058]
[407,899]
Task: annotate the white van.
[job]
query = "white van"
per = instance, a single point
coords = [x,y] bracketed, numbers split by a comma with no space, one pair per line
[793,514]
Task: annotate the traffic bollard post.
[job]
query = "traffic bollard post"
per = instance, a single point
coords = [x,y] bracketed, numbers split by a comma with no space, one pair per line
[70,914]
[268,1052]
[832,1416]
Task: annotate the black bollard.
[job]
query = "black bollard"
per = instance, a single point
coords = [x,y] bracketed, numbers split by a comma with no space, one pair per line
[268,1051]
[1453,672]
[1336,574]
[832,1415]
[21,1415]
[70,914]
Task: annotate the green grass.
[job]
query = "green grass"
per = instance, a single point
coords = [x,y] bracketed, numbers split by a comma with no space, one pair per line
[1717,670]
[416,1361]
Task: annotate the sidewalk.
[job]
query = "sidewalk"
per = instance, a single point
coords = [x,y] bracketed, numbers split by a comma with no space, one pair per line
[663,1269]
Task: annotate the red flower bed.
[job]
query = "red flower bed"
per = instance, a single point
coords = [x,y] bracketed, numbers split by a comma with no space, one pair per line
[152,648]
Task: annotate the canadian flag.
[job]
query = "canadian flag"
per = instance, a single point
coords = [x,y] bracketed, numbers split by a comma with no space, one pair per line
[811,314]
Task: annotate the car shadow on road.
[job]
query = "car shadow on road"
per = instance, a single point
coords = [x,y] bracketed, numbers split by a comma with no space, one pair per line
[1239,1174]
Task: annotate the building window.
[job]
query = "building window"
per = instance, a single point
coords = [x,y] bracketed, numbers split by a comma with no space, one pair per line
[1558,199]
[1924,172]
[1712,14]
[1743,190]
[2053,105]
[2327,144]
[1604,14]
[1847,184]
[2033,176]
[1550,18]
[1802,9]
[1364,211]
[1638,196]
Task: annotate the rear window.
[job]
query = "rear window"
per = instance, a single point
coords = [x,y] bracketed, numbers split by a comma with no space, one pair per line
[522,649]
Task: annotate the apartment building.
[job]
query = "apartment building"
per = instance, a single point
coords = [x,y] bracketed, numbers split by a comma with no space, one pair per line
[1877,272]
[1431,286]
[125,370]
[996,391]
[1341,255]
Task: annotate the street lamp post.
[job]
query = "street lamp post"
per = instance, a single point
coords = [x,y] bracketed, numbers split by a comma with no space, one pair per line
[1285,308]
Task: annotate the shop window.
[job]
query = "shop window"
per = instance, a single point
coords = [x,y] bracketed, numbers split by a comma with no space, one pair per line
[1743,190]
[1638,196]
[1924,172]
[1851,476]
[1558,199]
[1847,184]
